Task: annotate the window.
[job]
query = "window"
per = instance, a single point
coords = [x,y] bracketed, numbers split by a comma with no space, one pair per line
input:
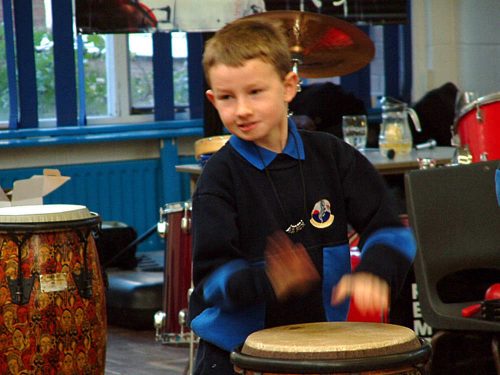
[4,86]
[141,72]
[116,71]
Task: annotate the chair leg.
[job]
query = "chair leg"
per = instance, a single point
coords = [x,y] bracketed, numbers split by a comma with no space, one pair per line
[496,354]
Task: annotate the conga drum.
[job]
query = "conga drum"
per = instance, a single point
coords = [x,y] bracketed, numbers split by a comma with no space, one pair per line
[478,127]
[53,313]
[177,271]
[332,348]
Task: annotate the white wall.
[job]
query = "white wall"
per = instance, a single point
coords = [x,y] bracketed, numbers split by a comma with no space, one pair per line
[456,41]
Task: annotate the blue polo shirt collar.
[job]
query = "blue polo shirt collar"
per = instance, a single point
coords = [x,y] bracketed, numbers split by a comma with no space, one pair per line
[250,151]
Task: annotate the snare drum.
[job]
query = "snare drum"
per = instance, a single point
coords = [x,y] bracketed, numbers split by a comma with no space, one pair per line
[178,270]
[478,127]
[53,312]
[332,347]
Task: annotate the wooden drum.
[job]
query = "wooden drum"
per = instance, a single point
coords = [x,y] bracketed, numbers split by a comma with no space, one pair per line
[52,302]
[332,348]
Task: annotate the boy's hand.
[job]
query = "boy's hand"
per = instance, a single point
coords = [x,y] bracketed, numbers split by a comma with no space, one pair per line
[370,292]
[288,267]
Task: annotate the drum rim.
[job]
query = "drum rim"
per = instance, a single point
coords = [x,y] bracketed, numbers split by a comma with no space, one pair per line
[176,207]
[378,362]
[209,145]
[46,226]
[486,99]
[483,100]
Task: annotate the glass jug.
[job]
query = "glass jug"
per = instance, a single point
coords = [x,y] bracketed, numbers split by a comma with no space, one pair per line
[395,137]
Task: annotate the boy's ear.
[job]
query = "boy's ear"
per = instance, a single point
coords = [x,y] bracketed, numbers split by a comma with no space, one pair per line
[210,96]
[291,82]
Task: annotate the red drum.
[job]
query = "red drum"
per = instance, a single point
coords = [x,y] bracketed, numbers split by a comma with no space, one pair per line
[332,348]
[478,126]
[52,300]
[178,271]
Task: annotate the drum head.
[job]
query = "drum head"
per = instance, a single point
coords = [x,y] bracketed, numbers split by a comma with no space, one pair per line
[332,347]
[43,213]
[43,217]
[330,340]
[176,207]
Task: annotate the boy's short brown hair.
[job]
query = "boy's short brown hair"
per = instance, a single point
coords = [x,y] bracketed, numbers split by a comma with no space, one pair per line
[246,39]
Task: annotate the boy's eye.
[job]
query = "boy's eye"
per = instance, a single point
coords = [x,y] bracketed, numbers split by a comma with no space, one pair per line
[224,97]
[256,91]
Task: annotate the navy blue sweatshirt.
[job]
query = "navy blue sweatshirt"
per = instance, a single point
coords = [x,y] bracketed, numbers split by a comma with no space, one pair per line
[235,209]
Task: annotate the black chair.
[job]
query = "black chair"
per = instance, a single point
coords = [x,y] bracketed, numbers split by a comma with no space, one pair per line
[455,215]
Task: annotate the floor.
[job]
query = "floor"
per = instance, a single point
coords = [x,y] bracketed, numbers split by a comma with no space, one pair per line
[135,352]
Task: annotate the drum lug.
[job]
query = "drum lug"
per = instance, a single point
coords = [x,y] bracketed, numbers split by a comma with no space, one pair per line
[162,229]
[20,289]
[162,226]
[462,155]
[83,282]
[186,219]
[483,156]
[182,316]
[159,323]
[479,114]
[455,140]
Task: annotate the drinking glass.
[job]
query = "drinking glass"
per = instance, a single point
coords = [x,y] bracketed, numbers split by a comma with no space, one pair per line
[355,130]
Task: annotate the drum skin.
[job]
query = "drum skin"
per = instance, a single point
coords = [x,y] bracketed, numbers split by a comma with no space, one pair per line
[55,330]
[332,348]
[481,136]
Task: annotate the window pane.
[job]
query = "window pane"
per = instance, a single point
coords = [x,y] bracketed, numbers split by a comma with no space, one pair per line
[44,58]
[179,53]
[141,72]
[94,61]
[4,85]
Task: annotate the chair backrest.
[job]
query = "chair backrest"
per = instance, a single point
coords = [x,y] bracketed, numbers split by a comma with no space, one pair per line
[455,216]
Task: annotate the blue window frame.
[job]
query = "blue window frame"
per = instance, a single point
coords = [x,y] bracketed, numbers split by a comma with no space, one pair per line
[69,70]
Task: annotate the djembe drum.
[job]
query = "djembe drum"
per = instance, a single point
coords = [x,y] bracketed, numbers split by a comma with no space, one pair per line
[52,302]
[332,348]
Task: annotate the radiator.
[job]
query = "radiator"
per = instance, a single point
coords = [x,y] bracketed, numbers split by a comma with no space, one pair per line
[126,191]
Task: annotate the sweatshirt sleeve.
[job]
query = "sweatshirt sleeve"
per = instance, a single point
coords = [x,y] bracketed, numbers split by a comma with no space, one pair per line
[222,275]
[387,246]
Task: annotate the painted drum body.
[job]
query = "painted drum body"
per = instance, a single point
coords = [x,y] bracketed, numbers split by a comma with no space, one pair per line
[52,297]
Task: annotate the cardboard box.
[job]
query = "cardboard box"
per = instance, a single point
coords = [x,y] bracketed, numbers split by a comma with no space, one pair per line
[32,190]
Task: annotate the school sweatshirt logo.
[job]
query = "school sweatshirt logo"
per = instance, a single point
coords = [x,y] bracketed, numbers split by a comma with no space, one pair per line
[321,215]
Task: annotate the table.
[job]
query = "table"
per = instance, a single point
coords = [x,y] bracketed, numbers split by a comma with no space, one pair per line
[403,163]
[399,165]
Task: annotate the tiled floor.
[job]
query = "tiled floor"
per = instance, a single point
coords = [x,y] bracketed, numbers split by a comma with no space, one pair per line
[132,352]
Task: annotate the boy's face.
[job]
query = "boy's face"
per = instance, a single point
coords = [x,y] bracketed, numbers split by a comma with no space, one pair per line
[252,101]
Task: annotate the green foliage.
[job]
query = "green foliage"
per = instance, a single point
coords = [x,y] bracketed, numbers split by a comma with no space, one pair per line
[4,86]
[95,78]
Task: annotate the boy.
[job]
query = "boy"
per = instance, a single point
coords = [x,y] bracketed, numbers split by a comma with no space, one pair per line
[272,207]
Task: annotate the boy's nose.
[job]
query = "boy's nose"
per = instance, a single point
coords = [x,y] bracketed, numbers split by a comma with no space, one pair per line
[243,108]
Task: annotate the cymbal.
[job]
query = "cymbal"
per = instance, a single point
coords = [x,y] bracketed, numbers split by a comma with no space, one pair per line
[323,46]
